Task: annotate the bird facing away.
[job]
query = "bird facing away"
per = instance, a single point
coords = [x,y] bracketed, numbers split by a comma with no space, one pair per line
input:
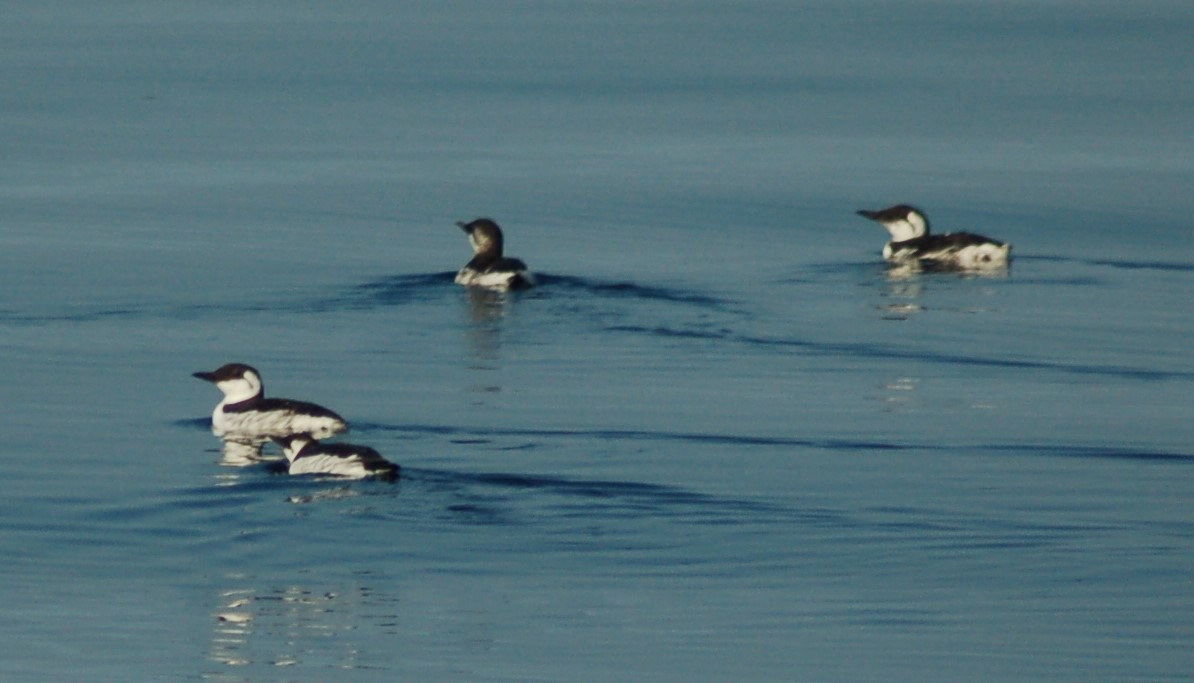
[489,267]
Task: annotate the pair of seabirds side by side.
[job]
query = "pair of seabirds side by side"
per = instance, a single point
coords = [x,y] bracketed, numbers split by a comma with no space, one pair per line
[245,419]
[913,246]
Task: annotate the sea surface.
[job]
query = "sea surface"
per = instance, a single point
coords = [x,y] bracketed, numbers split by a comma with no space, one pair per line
[722,441]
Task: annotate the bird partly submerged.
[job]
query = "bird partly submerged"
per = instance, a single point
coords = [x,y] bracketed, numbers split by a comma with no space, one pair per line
[306,455]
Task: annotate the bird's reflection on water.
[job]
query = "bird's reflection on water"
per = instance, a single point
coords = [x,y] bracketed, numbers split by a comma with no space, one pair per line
[243,451]
[293,625]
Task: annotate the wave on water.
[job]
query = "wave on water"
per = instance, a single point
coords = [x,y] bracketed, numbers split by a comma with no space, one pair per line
[403,289]
[484,435]
[461,435]
[887,352]
[411,288]
[393,291]
[1147,265]
[882,351]
[1099,452]
[195,423]
[506,497]
[481,496]
[1121,264]
[628,290]
[600,298]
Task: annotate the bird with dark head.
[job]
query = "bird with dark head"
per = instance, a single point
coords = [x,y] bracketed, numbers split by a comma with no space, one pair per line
[306,455]
[913,244]
[489,266]
[245,414]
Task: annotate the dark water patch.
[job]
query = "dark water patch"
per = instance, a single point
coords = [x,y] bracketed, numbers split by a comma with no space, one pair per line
[195,423]
[1122,264]
[820,273]
[229,503]
[887,352]
[1004,544]
[238,483]
[1116,371]
[408,289]
[71,316]
[837,267]
[1047,258]
[569,498]
[490,435]
[1091,452]
[908,518]
[146,312]
[1072,281]
[487,435]
[424,429]
[668,332]
[1147,265]
[477,513]
[891,617]
[628,290]
[394,291]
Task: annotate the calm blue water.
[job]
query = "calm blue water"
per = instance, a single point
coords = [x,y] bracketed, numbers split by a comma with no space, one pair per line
[720,443]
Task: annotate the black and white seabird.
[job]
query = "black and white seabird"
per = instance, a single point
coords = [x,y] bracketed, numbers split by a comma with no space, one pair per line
[489,268]
[246,415]
[912,243]
[309,456]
